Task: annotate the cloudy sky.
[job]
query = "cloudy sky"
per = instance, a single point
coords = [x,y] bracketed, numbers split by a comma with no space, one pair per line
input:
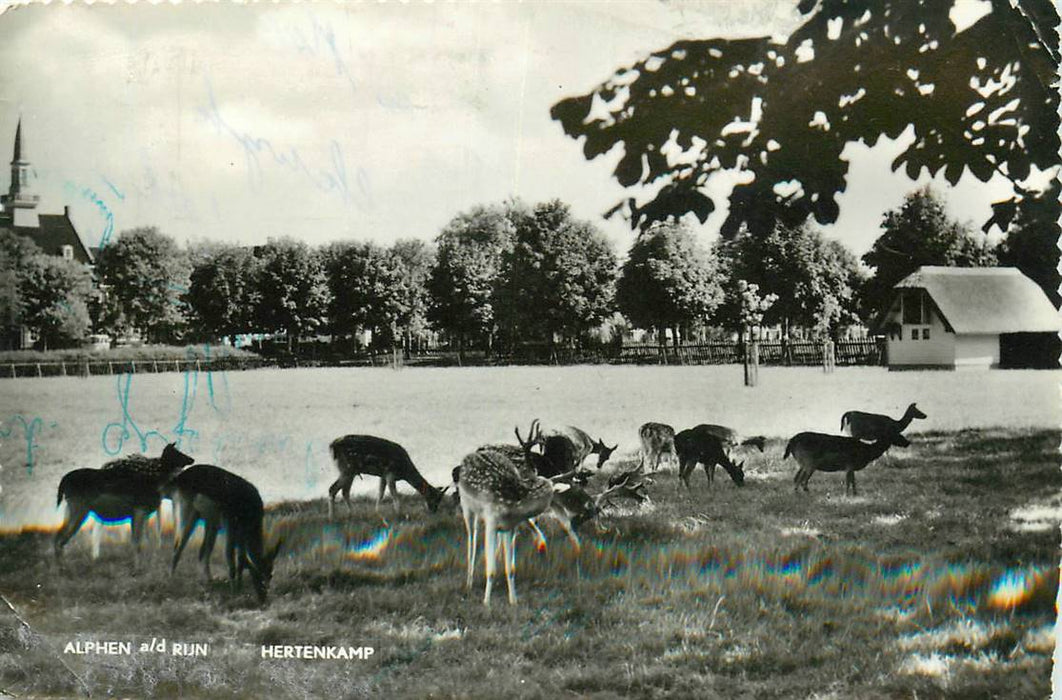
[367,121]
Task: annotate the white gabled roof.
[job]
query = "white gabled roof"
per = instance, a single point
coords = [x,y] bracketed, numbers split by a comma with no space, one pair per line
[986,299]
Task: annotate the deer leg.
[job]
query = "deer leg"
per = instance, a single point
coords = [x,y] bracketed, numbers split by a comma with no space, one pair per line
[571,533]
[540,537]
[380,493]
[508,542]
[75,518]
[97,537]
[210,535]
[188,523]
[341,484]
[709,471]
[393,490]
[235,573]
[471,530]
[137,528]
[490,554]
[849,482]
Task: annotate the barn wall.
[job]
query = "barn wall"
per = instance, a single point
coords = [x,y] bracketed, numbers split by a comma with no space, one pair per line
[977,351]
[937,350]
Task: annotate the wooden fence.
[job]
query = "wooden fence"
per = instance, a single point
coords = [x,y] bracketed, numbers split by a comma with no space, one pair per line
[847,352]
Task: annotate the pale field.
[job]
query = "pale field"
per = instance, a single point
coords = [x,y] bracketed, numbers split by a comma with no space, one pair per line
[274,426]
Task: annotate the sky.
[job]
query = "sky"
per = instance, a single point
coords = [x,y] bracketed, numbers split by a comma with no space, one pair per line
[362,121]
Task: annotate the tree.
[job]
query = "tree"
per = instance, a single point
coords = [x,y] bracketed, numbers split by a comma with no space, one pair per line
[814,280]
[417,260]
[367,287]
[919,232]
[55,295]
[982,100]
[1031,244]
[293,290]
[15,253]
[224,291]
[462,283]
[144,274]
[668,280]
[558,278]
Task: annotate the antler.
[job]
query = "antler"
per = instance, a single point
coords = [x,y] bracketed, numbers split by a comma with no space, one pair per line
[532,436]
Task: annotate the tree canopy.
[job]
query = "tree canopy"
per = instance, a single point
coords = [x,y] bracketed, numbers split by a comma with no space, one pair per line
[558,277]
[982,100]
[815,281]
[145,274]
[55,294]
[294,290]
[668,279]
[223,291]
[919,232]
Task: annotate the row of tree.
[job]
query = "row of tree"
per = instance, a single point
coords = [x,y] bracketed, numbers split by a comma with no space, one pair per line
[495,274]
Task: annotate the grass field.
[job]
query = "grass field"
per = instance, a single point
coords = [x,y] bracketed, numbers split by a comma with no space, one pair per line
[939,579]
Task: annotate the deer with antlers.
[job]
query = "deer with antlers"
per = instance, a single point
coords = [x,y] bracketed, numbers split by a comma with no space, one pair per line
[355,455]
[126,488]
[501,489]
[567,448]
[219,498]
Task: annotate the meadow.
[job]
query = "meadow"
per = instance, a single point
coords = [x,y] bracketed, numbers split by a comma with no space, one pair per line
[938,580]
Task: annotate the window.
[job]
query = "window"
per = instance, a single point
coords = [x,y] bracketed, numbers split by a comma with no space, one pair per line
[914,334]
[925,334]
[914,307]
[68,252]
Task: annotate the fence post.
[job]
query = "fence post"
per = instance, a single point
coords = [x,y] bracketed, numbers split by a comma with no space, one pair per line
[62,368]
[12,370]
[752,363]
[829,360]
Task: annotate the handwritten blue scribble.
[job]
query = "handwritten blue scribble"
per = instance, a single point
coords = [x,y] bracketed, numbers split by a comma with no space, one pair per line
[108,216]
[333,179]
[322,33]
[30,429]
[309,473]
[127,427]
[117,193]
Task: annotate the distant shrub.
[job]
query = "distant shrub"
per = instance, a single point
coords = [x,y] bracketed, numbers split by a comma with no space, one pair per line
[141,353]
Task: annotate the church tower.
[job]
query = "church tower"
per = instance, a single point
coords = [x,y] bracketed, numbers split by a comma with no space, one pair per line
[20,204]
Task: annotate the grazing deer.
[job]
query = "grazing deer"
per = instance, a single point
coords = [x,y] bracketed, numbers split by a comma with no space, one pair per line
[222,499]
[874,426]
[355,455]
[158,469]
[701,445]
[731,438]
[124,488]
[832,453]
[631,483]
[657,439]
[501,493]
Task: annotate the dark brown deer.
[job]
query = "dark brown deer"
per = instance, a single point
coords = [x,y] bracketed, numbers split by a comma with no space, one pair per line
[355,455]
[657,440]
[701,445]
[874,426]
[573,506]
[832,453]
[124,489]
[580,445]
[219,499]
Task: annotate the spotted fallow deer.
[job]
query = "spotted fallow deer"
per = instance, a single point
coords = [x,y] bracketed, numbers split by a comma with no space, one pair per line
[355,455]
[500,491]
[832,453]
[568,447]
[219,499]
[874,426]
[657,440]
[124,489]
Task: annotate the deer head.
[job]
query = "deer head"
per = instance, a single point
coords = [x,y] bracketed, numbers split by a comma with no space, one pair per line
[913,412]
[603,452]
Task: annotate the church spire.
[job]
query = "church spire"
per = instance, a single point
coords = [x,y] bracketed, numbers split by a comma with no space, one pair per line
[18,141]
[20,204]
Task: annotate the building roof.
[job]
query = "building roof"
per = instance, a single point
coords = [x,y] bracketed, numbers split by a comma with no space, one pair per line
[55,231]
[986,299]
